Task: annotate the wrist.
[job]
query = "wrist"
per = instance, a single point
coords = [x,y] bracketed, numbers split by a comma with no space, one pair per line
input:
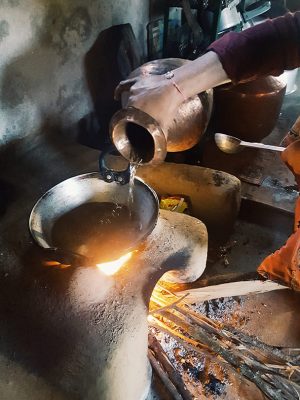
[171,77]
[294,134]
[290,138]
[171,94]
[201,74]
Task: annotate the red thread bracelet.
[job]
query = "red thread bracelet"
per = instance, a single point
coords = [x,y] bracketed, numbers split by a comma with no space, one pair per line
[170,75]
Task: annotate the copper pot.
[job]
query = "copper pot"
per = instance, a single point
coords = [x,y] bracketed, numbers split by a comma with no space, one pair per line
[249,110]
[137,135]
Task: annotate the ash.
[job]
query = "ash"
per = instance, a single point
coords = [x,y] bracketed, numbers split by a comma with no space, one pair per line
[224,309]
[204,375]
[215,386]
[201,375]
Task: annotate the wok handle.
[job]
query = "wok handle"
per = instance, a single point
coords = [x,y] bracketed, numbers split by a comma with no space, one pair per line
[111,175]
[65,257]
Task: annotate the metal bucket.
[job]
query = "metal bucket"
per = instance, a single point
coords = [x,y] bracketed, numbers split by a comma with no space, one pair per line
[91,188]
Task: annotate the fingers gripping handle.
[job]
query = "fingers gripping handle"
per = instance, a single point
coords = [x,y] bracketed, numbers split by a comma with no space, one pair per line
[123,86]
[111,175]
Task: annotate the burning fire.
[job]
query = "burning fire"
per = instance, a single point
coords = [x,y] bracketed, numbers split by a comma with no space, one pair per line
[111,267]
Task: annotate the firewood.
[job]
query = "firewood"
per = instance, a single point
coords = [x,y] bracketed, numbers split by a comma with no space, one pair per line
[164,377]
[174,376]
[275,372]
[230,289]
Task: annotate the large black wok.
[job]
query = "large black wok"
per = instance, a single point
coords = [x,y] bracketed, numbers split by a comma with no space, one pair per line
[72,193]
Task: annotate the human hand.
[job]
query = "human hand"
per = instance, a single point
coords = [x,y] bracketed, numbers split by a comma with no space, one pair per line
[292,135]
[290,138]
[153,94]
[291,157]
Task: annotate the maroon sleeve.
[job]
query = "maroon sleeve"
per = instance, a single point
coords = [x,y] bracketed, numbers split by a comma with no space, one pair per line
[265,49]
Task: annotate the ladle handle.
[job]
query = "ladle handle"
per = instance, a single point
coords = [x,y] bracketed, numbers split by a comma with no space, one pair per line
[262,146]
[111,175]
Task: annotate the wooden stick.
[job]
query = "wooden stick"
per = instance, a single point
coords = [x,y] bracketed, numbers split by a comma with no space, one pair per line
[187,343]
[281,385]
[257,344]
[164,377]
[225,343]
[236,336]
[174,375]
[231,358]
[168,306]
[230,289]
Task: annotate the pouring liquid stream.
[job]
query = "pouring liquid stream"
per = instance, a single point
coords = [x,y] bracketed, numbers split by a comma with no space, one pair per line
[134,164]
[101,231]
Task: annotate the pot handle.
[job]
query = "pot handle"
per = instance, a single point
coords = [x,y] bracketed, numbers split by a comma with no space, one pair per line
[64,257]
[111,175]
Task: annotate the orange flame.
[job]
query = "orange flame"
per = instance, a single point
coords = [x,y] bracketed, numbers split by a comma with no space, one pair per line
[111,267]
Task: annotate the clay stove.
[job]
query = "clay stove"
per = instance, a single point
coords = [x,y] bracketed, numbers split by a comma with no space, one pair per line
[179,242]
[76,333]
[89,336]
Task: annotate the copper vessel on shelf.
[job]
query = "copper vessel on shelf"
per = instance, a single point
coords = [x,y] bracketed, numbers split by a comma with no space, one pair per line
[249,110]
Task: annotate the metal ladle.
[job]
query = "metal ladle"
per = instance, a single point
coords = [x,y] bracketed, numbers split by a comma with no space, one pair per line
[231,145]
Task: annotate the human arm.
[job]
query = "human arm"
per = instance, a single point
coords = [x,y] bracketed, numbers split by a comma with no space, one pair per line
[158,96]
[291,157]
[283,264]
[265,49]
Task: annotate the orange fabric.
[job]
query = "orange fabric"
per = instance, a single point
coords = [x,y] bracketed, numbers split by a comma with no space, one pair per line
[283,265]
[297,215]
[291,157]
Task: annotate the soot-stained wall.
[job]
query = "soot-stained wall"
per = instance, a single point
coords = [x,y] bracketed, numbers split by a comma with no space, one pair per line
[42,49]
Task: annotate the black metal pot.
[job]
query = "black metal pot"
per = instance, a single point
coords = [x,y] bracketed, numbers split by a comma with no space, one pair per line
[91,188]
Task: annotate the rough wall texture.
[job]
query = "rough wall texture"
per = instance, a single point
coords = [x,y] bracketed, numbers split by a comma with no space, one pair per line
[42,47]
